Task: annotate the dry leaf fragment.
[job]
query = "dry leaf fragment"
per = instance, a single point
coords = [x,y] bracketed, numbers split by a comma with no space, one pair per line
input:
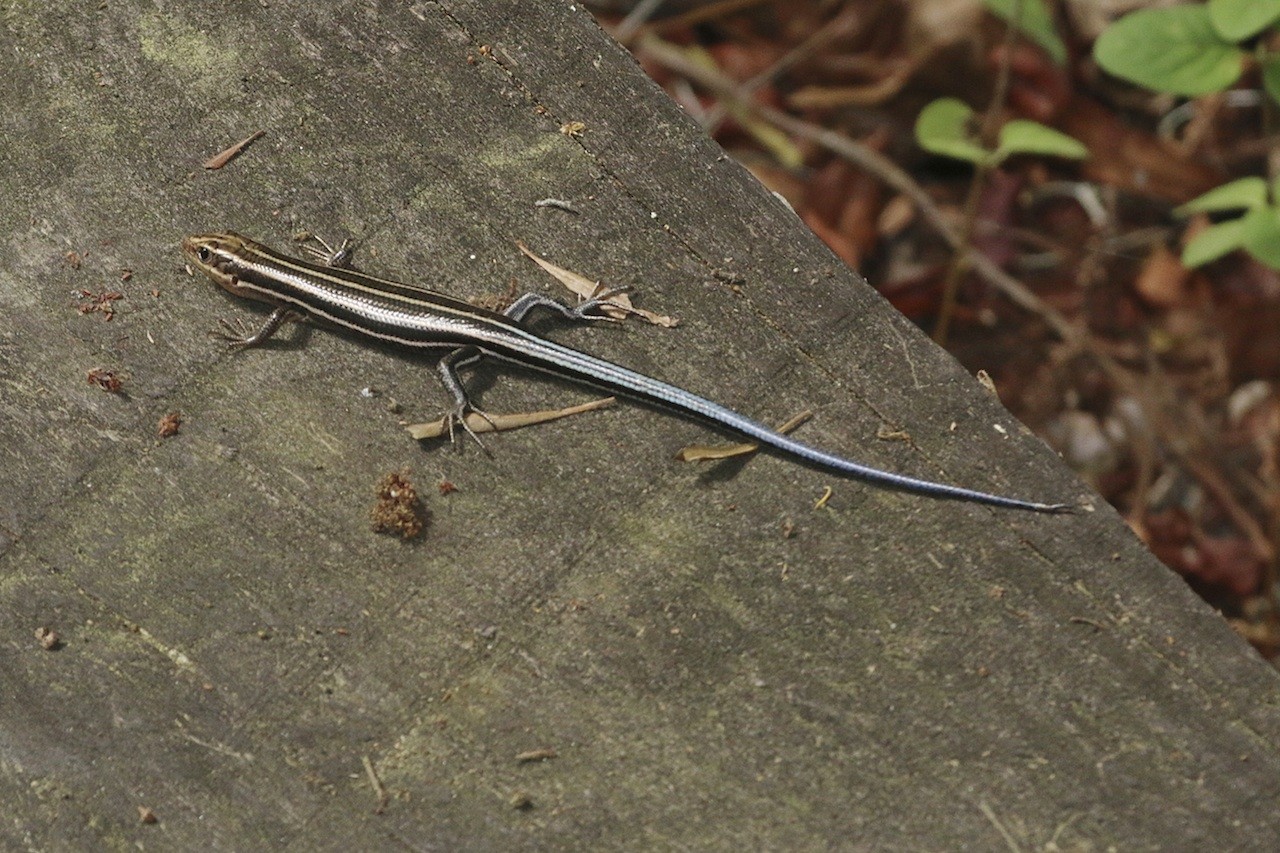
[713,452]
[222,158]
[558,204]
[503,423]
[1162,281]
[105,379]
[101,303]
[579,284]
[589,289]
[888,433]
[169,424]
[49,638]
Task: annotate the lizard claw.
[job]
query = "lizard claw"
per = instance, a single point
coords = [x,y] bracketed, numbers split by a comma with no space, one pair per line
[590,309]
[236,332]
[458,417]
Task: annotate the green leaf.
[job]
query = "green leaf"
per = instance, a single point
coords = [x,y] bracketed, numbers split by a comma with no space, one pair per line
[1028,137]
[943,128]
[1271,76]
[1174,50]
[1237,20]
[1249,193]
[1261,230]
[1036,22]
[1213,242]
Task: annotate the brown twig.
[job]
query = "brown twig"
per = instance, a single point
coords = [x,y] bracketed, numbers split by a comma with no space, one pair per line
[708,12]
[376,784]
[840,25]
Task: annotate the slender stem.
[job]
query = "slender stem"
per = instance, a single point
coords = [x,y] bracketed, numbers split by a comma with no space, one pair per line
[988,133]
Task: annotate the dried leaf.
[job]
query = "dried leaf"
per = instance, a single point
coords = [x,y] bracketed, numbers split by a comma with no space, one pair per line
[713,452]
[1162,281]
[1133,159]
[898,213]
[503,423]
[222,158]
[588,289]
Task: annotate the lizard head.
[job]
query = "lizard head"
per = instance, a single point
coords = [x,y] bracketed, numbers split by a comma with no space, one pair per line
[221,256]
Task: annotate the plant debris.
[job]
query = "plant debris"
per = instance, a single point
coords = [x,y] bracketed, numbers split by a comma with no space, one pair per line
[398,511]
[542,754]
[100,303]
[501,423]
[379,789]
[225,156]
[713,452]
[620,304]
[49,639]
[105,379]
[558,204]
[169,425]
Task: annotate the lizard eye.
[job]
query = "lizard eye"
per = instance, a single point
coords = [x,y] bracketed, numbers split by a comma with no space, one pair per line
[204,254]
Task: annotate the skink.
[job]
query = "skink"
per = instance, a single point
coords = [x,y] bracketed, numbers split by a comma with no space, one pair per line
[424,319]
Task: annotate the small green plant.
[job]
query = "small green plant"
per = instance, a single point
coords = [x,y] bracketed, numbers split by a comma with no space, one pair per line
[1257,231]
[1034,20]
[947,126]
[1191,51]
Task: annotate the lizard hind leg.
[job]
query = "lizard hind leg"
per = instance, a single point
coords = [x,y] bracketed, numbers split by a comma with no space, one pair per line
[447,370]
[590,310]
